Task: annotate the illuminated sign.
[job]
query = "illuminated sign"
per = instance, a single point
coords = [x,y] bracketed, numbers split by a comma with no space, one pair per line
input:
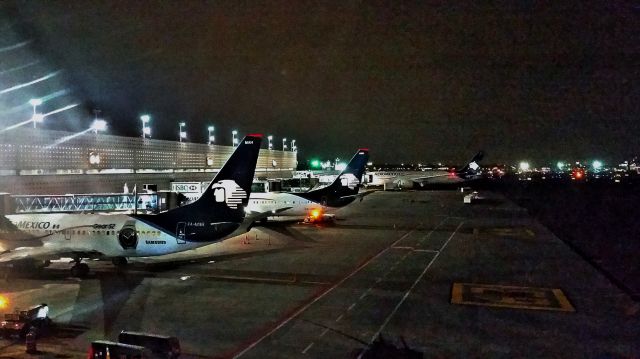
[186,187]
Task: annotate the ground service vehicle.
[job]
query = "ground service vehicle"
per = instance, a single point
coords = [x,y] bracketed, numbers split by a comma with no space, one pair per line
[19,324]
[162,346]
[103,349]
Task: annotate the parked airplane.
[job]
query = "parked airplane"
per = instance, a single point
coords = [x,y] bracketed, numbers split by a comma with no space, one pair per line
[316,202]
[35,239]
[399,179]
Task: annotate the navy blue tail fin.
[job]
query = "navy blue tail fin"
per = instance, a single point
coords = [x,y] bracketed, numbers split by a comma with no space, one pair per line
[355,167]
[473,166]
[345,188]
[232,184]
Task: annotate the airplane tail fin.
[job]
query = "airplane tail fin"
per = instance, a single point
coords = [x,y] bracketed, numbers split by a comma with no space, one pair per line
[355,167]
[232,185]
[473,166]
[345,188]
[349,180]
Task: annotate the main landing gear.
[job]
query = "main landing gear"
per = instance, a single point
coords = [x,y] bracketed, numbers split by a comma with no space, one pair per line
[79,269]
[120,262]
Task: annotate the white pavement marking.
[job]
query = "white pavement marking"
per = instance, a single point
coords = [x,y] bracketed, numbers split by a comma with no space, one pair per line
[351,306]
[324,332]
[426,250]
[409,290]
[431,231]
[306,306]
[339,318]
[307,348]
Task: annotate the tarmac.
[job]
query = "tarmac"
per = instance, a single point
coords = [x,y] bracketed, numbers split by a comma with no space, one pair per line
[412,271]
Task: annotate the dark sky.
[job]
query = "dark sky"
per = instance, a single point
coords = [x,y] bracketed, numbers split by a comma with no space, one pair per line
[411,81]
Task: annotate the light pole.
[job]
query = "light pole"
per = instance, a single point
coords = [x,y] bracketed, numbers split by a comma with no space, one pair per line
[98,125]
[146,130]
[235,139]
[284,144]
[181,134]
[35,102]
[270,143]
[211,137]
[293,145]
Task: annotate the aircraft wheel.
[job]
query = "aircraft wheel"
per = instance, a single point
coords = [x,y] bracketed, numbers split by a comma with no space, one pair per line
[120,262]
[80,270]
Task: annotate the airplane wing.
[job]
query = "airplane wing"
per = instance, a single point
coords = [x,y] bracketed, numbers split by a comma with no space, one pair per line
[427,178]
[360,195]
[44,252]
[257,216]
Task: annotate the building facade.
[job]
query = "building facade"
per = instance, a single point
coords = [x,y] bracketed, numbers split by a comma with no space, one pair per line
[38,161]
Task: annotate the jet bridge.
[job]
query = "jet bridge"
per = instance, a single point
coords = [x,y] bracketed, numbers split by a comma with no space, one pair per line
[87,203]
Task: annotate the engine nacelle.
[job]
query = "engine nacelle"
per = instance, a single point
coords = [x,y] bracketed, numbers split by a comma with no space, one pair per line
[128,237]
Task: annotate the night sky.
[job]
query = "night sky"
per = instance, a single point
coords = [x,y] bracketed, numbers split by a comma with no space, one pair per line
[411,81]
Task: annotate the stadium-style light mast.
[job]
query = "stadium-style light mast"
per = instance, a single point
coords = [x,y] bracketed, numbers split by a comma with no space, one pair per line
[35,102]
[181,134]
[146,130]
[211,138]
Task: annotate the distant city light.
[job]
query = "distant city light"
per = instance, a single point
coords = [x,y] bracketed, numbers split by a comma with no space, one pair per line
[270,143]
[560,165]
[315,163]
[234,141]
[597,165]
[524,166]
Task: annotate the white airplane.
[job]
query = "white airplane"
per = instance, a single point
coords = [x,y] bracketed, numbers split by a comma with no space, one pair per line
[33,240]
[316,202]
[399,179]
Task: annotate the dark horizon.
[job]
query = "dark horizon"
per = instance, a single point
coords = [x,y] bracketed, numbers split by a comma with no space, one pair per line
[410,81]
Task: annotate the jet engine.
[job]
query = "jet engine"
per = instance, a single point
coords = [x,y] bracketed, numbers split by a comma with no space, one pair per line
[128,237]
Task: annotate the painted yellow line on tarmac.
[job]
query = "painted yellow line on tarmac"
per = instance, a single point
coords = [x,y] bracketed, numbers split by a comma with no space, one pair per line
[491,295]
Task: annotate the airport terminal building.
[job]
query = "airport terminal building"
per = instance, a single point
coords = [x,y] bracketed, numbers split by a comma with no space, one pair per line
[39,161]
